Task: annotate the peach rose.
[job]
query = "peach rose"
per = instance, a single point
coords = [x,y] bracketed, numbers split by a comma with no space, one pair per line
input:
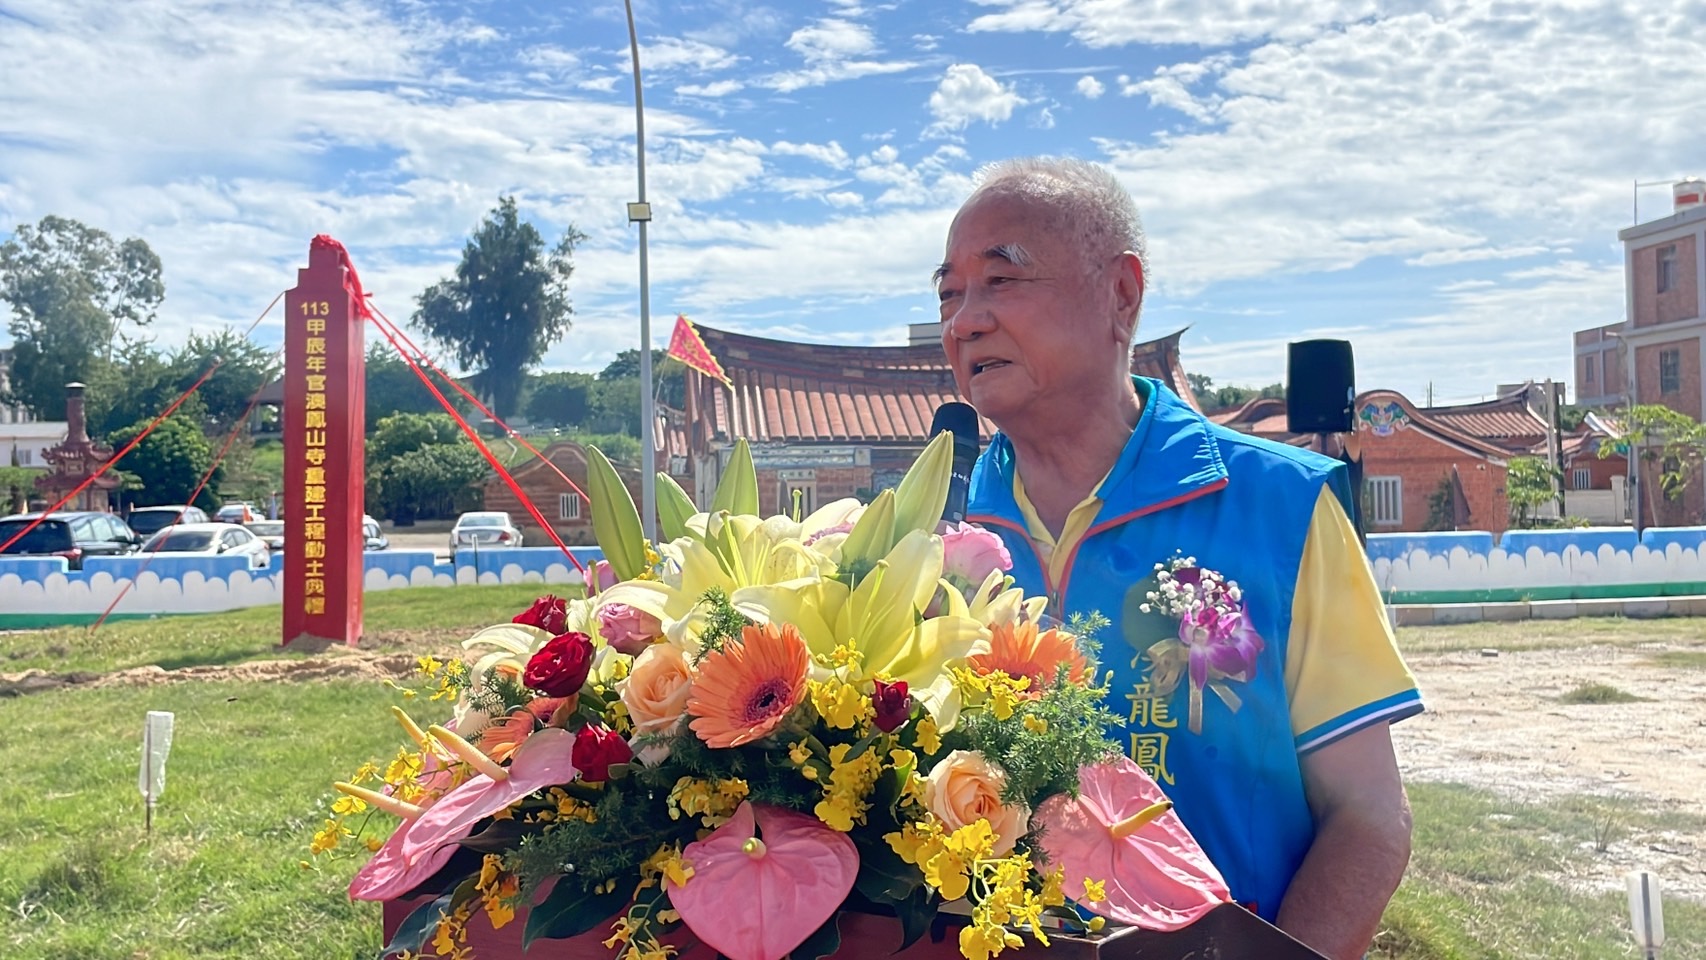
[656,693]
[965,788]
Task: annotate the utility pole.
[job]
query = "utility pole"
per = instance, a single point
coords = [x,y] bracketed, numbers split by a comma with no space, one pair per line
[640,212]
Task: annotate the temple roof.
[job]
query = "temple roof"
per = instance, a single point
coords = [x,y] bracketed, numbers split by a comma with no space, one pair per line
[791,392]
[1508,422]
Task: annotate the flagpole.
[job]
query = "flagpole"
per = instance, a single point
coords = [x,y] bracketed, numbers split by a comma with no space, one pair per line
[641,213]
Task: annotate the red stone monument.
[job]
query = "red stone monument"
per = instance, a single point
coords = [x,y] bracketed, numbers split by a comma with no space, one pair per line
[75,458]
[323,421]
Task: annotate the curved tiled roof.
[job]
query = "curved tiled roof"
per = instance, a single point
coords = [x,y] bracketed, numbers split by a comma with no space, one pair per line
[787,391]
[1507,422]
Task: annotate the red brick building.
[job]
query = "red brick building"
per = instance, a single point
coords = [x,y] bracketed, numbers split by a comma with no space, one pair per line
[1421,468]
[1664,335]
[1600,378]
[566,509]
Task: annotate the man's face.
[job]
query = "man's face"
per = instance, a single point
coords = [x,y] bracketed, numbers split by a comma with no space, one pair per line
[1027,323]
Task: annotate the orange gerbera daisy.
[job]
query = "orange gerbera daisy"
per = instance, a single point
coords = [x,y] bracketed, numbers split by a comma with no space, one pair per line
[744,690]
[1020,650]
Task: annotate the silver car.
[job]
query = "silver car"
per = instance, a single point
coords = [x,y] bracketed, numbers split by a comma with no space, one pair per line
[484,530]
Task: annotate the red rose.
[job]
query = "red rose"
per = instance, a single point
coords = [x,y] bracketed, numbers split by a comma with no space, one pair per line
[560,667]
[597,749]
[893,703]
[548,613]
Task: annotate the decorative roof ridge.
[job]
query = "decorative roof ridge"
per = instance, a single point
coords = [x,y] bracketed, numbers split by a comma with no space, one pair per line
[1421,416]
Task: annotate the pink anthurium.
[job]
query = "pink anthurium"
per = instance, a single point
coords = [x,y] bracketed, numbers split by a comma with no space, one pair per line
[1120,833]
[791,873]
[421,846]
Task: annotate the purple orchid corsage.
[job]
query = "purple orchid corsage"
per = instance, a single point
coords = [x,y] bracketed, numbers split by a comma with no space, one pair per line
[1216,643]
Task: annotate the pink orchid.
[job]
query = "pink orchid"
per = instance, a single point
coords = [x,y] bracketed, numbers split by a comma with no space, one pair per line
[1154,873]
[792,874]
[421,846]
[1223,640]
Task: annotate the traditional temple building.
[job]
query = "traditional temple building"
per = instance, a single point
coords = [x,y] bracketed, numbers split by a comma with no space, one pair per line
[76,458]
[827,421]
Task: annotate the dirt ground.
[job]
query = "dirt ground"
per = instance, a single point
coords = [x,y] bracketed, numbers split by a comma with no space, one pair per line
[1496,722]
[1493,721]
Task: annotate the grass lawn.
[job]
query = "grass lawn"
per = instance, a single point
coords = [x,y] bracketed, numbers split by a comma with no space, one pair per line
[252,762]
[425,618]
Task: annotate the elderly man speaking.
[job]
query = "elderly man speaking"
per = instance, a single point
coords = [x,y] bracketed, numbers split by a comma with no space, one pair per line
[1249,642]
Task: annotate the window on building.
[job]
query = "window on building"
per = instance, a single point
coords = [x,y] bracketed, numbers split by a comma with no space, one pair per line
[1587,368]
[1387,494]
[1581,478]
[1667,268]
[24,457]
[807,492]
[1670,371]
[568,506]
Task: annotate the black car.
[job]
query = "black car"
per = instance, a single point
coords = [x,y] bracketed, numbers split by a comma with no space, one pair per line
[147,521]
[74,536]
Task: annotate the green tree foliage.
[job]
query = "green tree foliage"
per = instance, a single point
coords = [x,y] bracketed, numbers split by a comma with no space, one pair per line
[404,433]
[507,303]
[1441,516]
[1530,482]
[244,368]
[616,407]
[1664,439]
[1211,398]
[72,289]
[392,387]
[169,463]
[561,399]
[437,480]
[668,373]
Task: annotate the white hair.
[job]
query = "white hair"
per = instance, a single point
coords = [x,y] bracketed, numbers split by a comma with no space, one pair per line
[1084,195]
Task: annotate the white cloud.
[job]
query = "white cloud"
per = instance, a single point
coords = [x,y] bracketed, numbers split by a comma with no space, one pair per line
[1105,23]
[603,84]
[716,88]
[843,198]
[832,40]
[551,57]
[966,94]
[670,53]
[1170,87]
[1090,88]
[1044,119]
[829,154]
[925,42]
[1435,258]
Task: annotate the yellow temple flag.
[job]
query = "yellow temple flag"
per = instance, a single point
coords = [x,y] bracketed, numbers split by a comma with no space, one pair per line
[686,345]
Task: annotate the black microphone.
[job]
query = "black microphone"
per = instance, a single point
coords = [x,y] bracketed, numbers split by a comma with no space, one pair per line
[961,420]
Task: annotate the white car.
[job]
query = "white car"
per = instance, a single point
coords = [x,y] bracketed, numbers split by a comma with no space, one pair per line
[484,530]
[211,540]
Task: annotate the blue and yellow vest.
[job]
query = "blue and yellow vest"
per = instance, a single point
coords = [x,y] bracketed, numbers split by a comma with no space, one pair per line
[1241,506]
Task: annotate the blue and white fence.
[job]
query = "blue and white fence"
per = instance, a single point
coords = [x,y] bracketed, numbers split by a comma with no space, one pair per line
[1586,564]
[38,592]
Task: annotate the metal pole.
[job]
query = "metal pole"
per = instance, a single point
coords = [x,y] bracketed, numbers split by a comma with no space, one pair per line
[648,407]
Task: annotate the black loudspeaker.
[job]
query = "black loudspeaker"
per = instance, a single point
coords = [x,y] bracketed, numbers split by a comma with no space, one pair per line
[1320,385]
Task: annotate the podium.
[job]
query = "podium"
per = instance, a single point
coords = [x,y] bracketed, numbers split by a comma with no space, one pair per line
[1228,932]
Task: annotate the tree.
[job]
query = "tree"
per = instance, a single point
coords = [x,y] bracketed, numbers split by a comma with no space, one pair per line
[244,368]
[169,463]
[1529,483]
[507,303]
[1233,396]
[1663,438]
[1202,386]
[561,399]
[669,374]
[72,290]
[392,387]
[437,480]
[616,407]
[404,433]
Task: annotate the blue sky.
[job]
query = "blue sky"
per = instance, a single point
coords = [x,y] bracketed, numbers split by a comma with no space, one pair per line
[1440,182]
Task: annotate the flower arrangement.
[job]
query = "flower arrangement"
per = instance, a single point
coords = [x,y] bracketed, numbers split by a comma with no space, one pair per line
[757,723]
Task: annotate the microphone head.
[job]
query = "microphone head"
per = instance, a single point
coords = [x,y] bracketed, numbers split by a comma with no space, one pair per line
[960,420]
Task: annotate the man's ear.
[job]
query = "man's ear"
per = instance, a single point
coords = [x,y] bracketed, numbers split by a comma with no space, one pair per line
[1128,294]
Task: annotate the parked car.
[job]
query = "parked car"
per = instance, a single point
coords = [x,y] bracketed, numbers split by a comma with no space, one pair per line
[74,535]
[237,513]
[212,540]
[372,535]
[270,532]
[147,521]
[483,529]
